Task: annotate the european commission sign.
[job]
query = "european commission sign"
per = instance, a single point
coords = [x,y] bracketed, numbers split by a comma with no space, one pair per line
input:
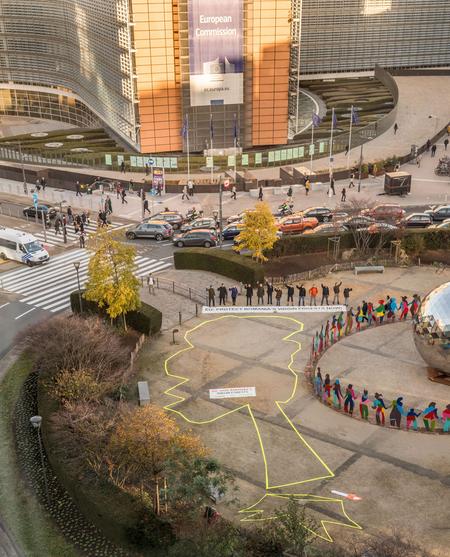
[216,52]
[274,309]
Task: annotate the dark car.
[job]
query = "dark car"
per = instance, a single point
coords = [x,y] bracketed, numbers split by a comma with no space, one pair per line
[417,220]
[232,230]
[200,237]
[357,223]
[47,210]
[174,218]
[157,229]
[204,222]
[322,214]
[439,214]
[387,212]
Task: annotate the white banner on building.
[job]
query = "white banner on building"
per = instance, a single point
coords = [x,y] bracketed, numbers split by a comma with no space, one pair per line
[232,392]
[274,309]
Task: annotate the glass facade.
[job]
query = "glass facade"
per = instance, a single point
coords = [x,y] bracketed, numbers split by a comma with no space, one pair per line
[354,35]
[80,45]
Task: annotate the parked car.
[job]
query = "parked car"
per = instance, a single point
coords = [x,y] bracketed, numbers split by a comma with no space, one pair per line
[339,216]
[358,222]
[47,210]
[205,222]
[157,229]
[328,228]
[382,227]
[387,212]
[200,237]
[174,218]
[296,224]
[322,214]
[439,214]
[232,230]
[417,220]
[238,217]
[443,225]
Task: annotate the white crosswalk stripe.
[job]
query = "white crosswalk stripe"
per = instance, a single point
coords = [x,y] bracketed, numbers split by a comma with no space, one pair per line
[72,238]
[48,286]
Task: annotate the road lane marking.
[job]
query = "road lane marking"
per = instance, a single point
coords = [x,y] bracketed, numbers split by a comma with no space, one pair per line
[25,313]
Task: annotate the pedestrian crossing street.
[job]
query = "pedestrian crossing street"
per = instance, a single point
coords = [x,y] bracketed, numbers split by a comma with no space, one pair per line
[48,286]
[58,239]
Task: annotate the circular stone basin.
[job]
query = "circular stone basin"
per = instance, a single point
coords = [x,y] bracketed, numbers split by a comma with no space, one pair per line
[54,145]
[80,150]
[384,360]
[75,136]
[39,134]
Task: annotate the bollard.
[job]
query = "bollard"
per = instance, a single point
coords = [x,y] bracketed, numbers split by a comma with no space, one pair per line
[196,310]
[190,297]
[173,286]
[179,317]
[142,281]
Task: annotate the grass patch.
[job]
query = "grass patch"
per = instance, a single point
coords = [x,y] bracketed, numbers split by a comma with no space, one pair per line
[34,533]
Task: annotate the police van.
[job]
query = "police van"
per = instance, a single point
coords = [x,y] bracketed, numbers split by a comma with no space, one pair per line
[21,246]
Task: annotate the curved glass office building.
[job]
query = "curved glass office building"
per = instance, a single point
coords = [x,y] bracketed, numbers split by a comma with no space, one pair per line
[229,70]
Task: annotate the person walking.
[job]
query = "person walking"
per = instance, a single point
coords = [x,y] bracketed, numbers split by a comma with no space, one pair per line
[190,188]
[82,240]
[151,284]
[185,193]
[146,207]
[337,394]
[430,415]
[289,193]
[307,186]
[260,193]
[343,195]
[131,186]
[379,407]
[278,294]
[122,167]
[290,294]
[370,314]
[397,411]
[223,292]
[428,144]
[249,294]
[123,194]
[318,383]
[446,419]
[395,128]
[260,294]
[347,295]
[313,291]
[446,143]
[380,311]
[332,186]
[414,305]
[404,308]
[211,296]
[336,291]
[70,214]
[234,294]
[233,192]
[301,295]
[325,294]
[108,205]
[364,405]
[411,419]
[352,181]
[78,190]
[269,290]
[349,401]
[433,150]
[327,390]
[57,226]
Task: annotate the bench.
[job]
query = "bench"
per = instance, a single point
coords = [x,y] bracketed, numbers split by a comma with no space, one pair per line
[370,269]
[144,394]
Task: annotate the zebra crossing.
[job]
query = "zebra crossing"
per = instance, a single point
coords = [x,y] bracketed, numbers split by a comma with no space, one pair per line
[58,239]
[48,286]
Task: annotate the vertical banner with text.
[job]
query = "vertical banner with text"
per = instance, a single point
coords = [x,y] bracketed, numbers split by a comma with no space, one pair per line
[216,52]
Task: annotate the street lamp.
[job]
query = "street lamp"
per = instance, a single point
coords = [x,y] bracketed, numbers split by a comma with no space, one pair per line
[25,188]
[36,422]
[360,163]
[76,264]
[220,208]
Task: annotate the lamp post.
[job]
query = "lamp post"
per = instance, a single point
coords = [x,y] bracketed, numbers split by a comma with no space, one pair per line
[25,188]
[76,264]
[220,209]
[360,164]
[36,422]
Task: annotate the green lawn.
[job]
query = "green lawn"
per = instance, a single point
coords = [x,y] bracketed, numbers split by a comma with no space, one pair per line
[35,534]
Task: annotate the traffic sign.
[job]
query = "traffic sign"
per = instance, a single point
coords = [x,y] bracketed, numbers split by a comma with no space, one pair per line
[151,162]
[226,184]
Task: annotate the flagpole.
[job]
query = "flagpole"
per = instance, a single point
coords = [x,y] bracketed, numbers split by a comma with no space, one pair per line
[235,147]
[211,144]
[312,143]
[187,148]
[331,144]
[350,138]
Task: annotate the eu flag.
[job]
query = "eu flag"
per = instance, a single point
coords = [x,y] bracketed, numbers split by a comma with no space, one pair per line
[211,127]
[334,118]
[316,120]
[355,116]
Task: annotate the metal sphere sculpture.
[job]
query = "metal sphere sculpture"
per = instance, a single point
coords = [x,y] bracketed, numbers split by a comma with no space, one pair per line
[432,328]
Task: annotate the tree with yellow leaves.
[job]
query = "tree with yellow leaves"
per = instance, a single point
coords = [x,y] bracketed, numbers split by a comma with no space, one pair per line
[259,233]
[111,280]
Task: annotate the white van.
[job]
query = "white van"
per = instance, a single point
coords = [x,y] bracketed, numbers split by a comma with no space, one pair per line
[21,246]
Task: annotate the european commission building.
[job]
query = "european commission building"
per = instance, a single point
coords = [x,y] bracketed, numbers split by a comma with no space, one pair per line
[221,71]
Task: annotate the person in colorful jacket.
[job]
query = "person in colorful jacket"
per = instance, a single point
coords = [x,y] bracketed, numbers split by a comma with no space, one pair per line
[379,407]
[411,418]
[430,415]
[364,405]
[349,321]
[327,390]
[446,419]
[395,417]
[380,311]
[404,308]
[349,401]
[318,382]
[337,394]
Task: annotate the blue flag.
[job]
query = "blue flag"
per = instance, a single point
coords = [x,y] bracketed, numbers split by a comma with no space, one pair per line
[211,127]
[316,120]
[334,122]
[185,128]
[355,116]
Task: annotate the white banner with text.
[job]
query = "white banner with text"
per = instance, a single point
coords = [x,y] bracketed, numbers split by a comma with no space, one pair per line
[274,309]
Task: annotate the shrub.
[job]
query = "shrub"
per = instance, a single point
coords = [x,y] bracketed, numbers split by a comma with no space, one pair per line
[146,320]
[308,243]
[227,263]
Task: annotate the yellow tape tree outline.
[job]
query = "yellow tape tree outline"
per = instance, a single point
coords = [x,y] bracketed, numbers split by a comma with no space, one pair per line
[252,512]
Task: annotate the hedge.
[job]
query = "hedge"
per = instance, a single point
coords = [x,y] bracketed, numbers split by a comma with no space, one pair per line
[146,319]
[311,243]
[223,262]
